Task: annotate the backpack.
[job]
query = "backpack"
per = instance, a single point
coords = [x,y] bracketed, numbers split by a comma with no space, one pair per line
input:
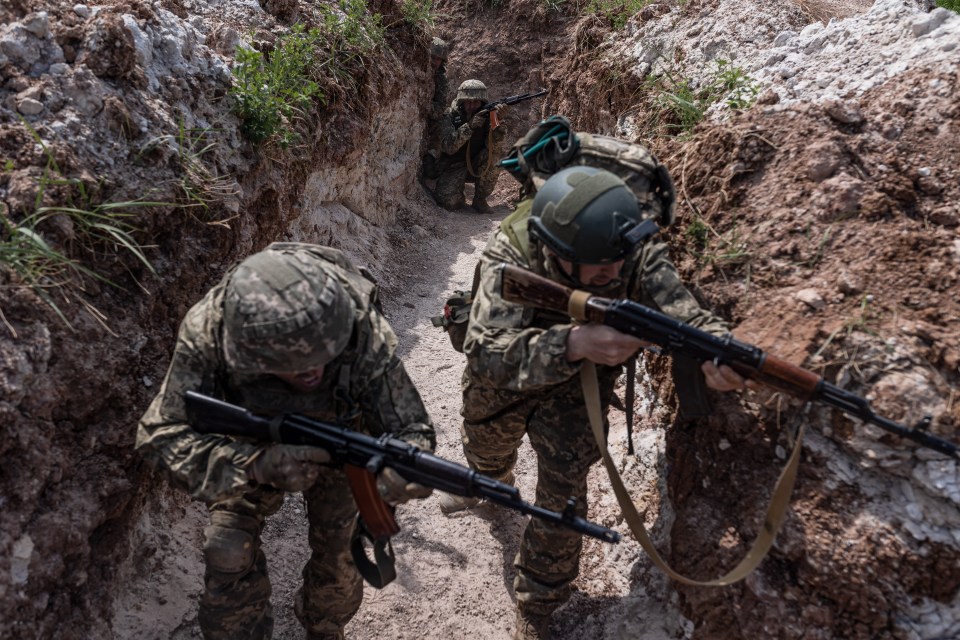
[552,145]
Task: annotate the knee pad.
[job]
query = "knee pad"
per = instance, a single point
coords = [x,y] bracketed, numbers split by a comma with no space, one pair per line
[229,549]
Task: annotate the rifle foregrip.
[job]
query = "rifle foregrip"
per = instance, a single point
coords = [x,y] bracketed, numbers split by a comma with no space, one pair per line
[376,514]
[523,287]
[797,381]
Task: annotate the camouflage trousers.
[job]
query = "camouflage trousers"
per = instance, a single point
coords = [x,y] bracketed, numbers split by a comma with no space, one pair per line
[559,430]
[236,601]
[451,180]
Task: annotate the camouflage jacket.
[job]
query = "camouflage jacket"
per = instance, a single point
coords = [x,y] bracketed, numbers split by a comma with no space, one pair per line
[440,88]
[514,350]
[437,106]
[456,136]
[365,388]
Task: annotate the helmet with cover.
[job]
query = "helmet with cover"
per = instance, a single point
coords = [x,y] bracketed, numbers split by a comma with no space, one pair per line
[439,48]
[583,215]
[283,312]
[471,90]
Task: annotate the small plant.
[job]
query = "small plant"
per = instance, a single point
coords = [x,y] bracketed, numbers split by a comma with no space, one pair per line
[617,11]
[8,165]
[419,14]
[97,230]
[866,317]
[741,92]
[272,89]
[726,250]
[680,103]
[953,5]
[698,233]
[553,5]
[200,184]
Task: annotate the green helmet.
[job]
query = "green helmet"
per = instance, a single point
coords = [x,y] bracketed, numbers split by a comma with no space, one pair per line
[586,216]
[284,313]
[471,90]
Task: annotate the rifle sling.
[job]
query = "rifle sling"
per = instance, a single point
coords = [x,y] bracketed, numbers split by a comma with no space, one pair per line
[383,570]
[775,512]
[489,155]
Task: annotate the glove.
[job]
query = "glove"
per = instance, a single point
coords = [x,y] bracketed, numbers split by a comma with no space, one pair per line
[478,121]
[287,467]
[394,488]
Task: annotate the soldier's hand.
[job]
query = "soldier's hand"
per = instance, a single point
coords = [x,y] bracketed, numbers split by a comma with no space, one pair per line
[723,378]
[479,121]
[287,467]
[601,344]
[502,110]
[394,488]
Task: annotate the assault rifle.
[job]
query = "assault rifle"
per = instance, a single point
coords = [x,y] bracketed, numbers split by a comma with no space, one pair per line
[363,456]
[523,287]
[520,97]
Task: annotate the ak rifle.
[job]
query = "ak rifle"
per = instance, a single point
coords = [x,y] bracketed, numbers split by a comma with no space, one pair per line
[520,97]
[672,336]
[363,456]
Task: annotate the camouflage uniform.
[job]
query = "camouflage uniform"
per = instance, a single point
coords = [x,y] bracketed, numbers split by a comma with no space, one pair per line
[456,142]
[518,380]
[438,105]
[365,387]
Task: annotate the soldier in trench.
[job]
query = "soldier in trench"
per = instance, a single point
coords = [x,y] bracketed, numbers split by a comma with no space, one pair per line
[439,52]
[522,365]
[469,149]
[292,329]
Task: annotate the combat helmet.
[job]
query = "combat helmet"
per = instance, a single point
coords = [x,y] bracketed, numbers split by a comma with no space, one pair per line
[439,48]
[587,216]
[471,90]
[284,313]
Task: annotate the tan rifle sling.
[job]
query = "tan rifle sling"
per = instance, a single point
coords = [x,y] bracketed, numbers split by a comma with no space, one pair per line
[470,170]
[779,501]
[775,512]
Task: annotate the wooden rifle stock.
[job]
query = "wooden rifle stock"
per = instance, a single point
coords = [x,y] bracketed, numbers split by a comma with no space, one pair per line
[673,336]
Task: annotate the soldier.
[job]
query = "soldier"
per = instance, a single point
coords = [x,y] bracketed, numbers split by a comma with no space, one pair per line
[439,51]
[292,329]
[523,365]
[469,149]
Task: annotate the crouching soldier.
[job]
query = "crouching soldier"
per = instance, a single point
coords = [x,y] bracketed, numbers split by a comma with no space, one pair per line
[292,329]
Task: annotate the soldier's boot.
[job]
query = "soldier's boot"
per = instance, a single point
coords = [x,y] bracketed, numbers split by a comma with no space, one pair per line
[531,625]
[451,503]
[480,205]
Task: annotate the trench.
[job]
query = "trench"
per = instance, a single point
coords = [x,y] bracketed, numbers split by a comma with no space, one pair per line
[97,546]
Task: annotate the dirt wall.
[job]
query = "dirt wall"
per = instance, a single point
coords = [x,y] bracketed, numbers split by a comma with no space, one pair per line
[109,89]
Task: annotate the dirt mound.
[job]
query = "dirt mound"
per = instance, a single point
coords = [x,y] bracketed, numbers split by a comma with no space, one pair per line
[828,233]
